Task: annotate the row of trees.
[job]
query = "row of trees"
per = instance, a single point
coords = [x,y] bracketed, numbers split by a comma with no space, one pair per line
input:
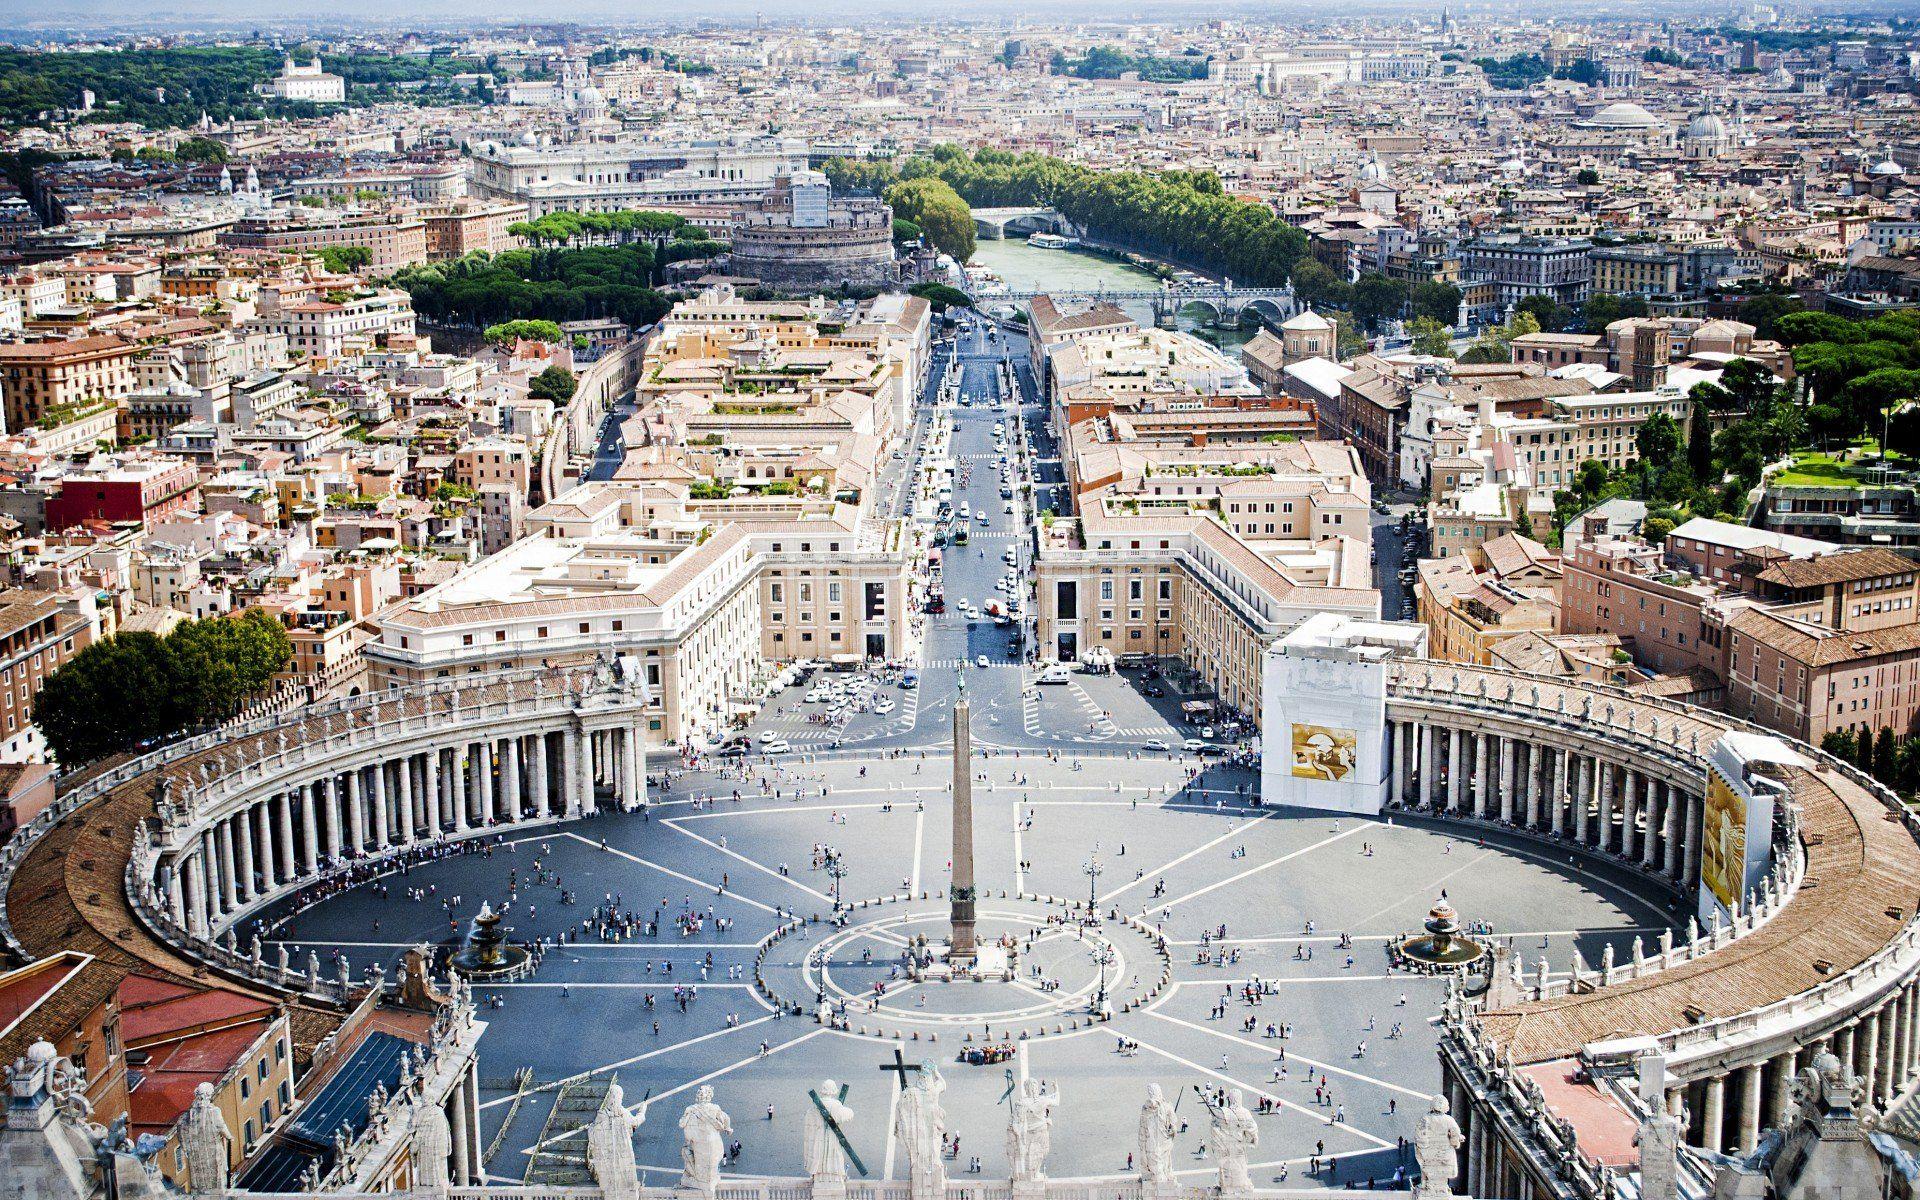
[1859,374]
[1892,759]
[1111,62]
[555,285]
[565,228]
[1374,298]
[1181,216]
[136,687]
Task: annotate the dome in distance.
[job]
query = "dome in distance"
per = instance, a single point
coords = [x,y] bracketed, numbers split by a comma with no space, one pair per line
[1707,127]
[1625,115]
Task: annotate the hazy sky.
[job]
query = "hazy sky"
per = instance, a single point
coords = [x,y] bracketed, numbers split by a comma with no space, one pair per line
[50,17]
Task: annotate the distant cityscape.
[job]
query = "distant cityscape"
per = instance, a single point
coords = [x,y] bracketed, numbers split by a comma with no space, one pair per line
[557,562]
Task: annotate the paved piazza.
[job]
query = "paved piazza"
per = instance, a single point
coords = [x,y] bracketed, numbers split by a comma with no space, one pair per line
[1182,857]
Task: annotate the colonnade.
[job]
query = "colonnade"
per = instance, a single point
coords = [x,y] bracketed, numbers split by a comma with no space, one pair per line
[1727,1111]
[1610,803]
[291,831]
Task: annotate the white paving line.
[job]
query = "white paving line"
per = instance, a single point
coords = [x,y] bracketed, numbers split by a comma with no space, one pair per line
[1180,983]
[1428,890]
[1255,870]
[710,887]
[1283,1102]
[627,1062]
[1316,1064]
[1387,937]
[919,835]
[653,985]
[673,823]
[1236,831]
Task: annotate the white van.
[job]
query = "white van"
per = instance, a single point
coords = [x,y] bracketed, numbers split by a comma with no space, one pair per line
[1055,673]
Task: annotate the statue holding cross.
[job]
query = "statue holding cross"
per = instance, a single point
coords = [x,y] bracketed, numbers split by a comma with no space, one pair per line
[827,1151]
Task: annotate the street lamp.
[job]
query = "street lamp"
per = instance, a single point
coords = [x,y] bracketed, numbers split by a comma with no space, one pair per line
[836,871]
[1093,870]
[1102,956]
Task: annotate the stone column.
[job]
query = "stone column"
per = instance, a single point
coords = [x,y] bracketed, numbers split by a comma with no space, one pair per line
[309,830]
[457,779]
[1887,1021]
[1427,773]
[1482,782]
[1713,1113]
[403,798]
[1402,735]
[633,769]
[243,851]
[1689,841]
[1670,836]
[1582,797]
[356,814]
[1867,1051]
[584,772]
[1749,1107]
[542,791]
[1509,771]
[262,818]
[1456,778]
[382,829]
[1629,813]
[570,771]
[462,1134]
[1560,769]
[198,901]
[1648,838]
[510,778]
[1537,773]
[483,763]
[1898,1062]
[1604,772]
[283,809]
[1781,1090]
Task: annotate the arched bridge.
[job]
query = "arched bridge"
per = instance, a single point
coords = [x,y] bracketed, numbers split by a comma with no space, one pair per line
[993,224]
[1225,302]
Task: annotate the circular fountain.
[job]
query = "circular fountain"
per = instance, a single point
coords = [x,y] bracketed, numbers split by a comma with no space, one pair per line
[1442,947]
[485,953]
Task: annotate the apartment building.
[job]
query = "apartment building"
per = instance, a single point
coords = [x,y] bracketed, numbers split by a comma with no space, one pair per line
[710,595]
[39,630]
[324,331]
[1053,324]
[53,376]
[396,239]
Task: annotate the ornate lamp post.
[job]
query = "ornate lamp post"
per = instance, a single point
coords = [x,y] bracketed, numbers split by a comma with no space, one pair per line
[1093,869]
[1102,957]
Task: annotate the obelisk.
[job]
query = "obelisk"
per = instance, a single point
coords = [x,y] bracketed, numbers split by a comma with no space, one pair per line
[960,944]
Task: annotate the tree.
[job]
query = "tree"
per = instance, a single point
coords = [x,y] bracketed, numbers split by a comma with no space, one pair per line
[906,231]
[1587,177]
[1440,301]
[1547,313]
[1883,755]
[1603,309]
[201,150]
[1658,440]
[135,687]
[345,260]
[1656,529]
[941,296]
[939,211]
[1377,298]
[1430,337]
[508,332]
[556,383]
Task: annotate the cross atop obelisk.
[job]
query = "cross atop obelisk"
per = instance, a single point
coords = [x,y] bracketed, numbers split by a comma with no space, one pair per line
[960,945]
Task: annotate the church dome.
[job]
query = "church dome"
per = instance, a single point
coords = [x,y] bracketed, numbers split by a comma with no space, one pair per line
[1625,115]
[1707,127]
[1371,171]
[1889,167]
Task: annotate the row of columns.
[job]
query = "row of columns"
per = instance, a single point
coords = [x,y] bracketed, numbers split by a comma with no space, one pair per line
[1727,1111]
[1558,791]
[418,796]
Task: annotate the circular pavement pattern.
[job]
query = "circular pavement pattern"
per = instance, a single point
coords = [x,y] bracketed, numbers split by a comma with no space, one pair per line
[1340,1048]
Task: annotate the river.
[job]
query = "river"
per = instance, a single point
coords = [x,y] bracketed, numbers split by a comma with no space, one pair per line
[1025,268]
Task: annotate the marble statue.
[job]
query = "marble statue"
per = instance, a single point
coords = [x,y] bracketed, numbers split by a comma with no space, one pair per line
[610,1146]
[432,1145]
[1436,1149]
[1232,1138]
[1659,1141]
[205,1139]
[1158,1124]
[920,1123]
[1030,1129]
[821,1152]
[704,1126]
